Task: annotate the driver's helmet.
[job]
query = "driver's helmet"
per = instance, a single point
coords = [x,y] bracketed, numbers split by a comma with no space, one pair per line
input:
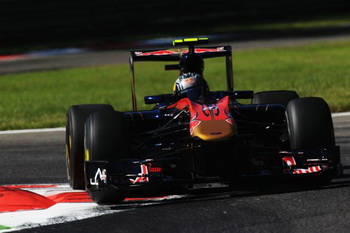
[193,86]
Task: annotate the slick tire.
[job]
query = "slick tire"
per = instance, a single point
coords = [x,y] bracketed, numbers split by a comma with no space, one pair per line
[107,139]
[310,124]
[274,97]
[76,117]
[107,136]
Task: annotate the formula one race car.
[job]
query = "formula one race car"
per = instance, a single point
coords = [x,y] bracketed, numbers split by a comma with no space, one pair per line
[194,138]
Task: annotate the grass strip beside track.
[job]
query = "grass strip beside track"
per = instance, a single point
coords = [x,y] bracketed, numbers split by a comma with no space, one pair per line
[4,227]
[41,99]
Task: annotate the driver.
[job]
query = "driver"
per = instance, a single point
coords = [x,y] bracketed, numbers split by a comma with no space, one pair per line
[193,86]
[191,83]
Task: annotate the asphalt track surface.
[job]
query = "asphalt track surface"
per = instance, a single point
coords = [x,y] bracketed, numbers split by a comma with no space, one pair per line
[40,158]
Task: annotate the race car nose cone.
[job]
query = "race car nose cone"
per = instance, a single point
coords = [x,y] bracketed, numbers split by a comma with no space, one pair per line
[214,130]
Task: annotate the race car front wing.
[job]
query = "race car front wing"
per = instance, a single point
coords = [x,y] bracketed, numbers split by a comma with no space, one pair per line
[103,175]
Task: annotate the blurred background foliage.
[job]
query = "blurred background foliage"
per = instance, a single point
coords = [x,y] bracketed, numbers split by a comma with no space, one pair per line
[42,23]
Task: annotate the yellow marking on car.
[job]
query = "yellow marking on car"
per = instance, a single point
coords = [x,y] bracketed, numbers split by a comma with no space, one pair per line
[179,41]
[191,39]
[70,141]
[87,155]
[67,152]
[195,39]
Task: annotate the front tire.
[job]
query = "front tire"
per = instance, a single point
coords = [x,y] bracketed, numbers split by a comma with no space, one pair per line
[310,124]
[76,117]
[106,139]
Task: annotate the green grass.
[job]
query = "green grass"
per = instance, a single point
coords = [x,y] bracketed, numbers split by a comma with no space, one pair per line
[4,227]
[41,99]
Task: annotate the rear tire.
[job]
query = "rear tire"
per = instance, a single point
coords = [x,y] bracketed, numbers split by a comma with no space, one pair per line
[76,117]
[274,97]
[107,139]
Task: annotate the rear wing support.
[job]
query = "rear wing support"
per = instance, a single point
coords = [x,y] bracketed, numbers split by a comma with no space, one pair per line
[133,91]
[229,71]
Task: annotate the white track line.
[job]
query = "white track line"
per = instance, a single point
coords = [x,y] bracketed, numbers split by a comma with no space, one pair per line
[32,131]
[340,114]
[66,212]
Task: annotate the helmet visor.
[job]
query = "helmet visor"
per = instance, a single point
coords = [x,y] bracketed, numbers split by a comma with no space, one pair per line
[194,93]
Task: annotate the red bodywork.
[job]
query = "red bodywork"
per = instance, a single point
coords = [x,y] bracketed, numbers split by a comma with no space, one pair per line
[211,121]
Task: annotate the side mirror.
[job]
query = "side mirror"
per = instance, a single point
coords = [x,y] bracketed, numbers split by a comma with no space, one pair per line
[154,99]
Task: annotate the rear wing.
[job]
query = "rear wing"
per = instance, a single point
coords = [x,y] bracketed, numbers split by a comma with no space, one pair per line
[174,54]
